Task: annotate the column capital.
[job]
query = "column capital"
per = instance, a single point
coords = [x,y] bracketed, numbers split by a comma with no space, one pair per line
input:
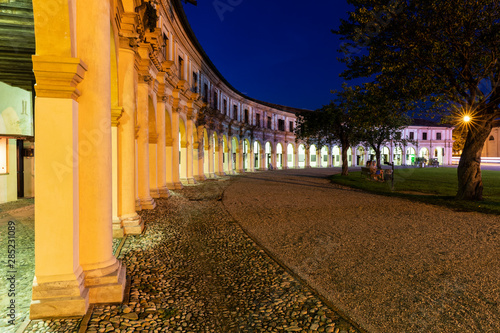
[58,77]
[116,113]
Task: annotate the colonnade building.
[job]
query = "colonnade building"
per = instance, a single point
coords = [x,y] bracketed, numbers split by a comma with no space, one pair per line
[128,107]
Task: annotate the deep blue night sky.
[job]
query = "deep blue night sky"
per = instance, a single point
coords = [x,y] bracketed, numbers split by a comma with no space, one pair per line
[276,51]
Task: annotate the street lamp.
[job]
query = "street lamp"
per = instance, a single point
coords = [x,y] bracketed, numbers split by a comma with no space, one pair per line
[467,119]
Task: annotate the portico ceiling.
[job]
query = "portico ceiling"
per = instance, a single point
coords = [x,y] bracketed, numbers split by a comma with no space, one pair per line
[17,43]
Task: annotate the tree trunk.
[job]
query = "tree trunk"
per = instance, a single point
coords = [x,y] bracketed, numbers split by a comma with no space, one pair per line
[470,183]
[377,156]
[345,165]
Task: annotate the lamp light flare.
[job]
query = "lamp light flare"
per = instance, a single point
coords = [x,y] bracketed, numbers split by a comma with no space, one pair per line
[466,119]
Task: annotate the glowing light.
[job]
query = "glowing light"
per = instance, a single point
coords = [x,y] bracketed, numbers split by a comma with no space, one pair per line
[466,119]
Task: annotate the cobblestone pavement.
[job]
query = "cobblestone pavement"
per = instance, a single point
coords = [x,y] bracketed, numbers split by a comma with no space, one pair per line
[393,265]
[19,212]
[195,270]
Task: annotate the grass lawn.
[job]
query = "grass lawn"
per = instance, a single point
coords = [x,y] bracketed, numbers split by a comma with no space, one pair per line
[431,185]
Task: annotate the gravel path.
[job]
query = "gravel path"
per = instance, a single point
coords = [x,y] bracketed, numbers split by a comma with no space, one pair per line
[392,265]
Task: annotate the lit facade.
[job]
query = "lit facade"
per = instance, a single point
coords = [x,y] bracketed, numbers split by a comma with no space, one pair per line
[128,108]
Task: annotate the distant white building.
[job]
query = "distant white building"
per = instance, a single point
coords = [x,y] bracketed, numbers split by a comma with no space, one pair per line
[431,140]
[492,145]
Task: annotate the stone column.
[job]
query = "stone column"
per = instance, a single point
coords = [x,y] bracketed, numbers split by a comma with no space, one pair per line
[285,156]
[145,198]
[263,161]
[308,157]
[296,156]
[189,131]
[104,275]
[153,144]
[131,221]
[330,157]
[161,147]
[240,168]
[220,157]
[58,285]
[230,165]
[116,113]
[211,172]
[175,149]
[200,160]
[319,162]
[251,159]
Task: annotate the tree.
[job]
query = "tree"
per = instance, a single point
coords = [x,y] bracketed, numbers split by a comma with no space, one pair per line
[437,51]
[379,119]
[332,123]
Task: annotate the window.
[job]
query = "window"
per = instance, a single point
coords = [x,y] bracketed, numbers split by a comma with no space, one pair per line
[257,119]
[235,111]
[438,136]
[164,49]
[216,102]
[246,116]
[424,136]
[290,126]
[224,110]
[195,82]
[492,138]
[412,135]
[397,136]
[281,125]
[205,92]
[3,155]
[269,122]
[181,67]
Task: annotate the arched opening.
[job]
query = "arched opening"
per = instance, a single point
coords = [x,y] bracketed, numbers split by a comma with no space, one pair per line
[279,156]
[385,155]
[225,157]
[302,156]
[290,156]
[246,154]
[424,152]
[349,157]
[268,153]
[313,159]
[234,153]
[257,158]
[336,156]
[438,154]
[324,157]
[410,156]
[360,156]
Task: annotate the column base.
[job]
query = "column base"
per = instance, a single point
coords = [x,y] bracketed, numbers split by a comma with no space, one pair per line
[117,228]
[148,203]
[59,299]
[164,193]
[212,175]
[241,171]
[221,174]
[191,180]
[133,225]
[138,207]
[155,193]
[108,288]
[200,178]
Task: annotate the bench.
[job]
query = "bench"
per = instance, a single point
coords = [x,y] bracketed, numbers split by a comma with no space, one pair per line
[365,172]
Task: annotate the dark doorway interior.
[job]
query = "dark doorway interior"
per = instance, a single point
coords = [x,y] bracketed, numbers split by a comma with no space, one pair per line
[20,169]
